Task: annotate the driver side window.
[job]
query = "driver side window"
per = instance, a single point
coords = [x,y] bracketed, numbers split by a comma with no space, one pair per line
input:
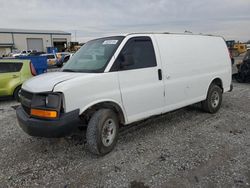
[140,51]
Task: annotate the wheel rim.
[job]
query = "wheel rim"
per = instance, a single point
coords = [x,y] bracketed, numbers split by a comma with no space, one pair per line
[215,99]
[108,132]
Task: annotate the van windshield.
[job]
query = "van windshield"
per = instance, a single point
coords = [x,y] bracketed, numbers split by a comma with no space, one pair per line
[94,56]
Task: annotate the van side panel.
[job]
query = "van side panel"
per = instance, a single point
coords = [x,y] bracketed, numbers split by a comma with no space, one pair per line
[190,63]
[81,93]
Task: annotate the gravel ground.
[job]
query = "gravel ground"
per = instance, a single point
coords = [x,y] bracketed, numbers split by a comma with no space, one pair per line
[184,148]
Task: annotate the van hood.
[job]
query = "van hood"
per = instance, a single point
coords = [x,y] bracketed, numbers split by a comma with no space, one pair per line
[46,82]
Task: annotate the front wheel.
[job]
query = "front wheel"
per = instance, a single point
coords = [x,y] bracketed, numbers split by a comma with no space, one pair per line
[214,99]
[102,131]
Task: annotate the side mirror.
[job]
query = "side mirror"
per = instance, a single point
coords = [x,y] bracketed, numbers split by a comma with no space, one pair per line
[126,60]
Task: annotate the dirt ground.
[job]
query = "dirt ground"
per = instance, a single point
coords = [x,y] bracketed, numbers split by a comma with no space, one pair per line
[184,148]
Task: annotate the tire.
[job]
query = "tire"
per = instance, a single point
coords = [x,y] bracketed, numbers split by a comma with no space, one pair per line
[214,99]
[16,93]
[103,121]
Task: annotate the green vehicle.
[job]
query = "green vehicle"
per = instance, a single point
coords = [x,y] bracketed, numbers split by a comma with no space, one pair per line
[13,73]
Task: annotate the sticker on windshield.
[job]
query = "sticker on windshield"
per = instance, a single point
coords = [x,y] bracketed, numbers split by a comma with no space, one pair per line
[110,42]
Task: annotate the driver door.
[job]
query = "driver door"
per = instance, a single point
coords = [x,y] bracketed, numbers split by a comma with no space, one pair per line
[141,84]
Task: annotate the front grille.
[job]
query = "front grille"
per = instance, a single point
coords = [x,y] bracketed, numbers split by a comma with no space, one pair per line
[25,99]
[26,109]
[26,94]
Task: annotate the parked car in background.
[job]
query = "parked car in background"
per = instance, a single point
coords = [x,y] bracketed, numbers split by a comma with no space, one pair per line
[15,53]
[51,59]
[23,53]
[13,73]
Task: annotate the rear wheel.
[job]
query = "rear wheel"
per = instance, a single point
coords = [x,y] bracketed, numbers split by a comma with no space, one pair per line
[214,99]
[16,93]
[102,131]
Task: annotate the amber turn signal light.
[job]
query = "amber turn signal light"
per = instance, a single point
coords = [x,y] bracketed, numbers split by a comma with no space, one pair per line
[44,113]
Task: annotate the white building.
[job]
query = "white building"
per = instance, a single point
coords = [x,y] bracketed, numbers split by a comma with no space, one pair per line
[18,39]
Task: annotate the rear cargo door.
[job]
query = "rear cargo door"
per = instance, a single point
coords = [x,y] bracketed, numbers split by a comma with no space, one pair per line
[141,84]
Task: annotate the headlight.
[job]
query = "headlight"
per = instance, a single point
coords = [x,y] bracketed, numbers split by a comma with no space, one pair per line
[52,100]
[46,105]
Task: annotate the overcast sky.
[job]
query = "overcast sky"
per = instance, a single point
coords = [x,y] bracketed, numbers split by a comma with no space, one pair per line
[92,18]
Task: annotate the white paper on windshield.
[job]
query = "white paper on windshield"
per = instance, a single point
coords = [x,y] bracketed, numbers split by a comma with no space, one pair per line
[110,42]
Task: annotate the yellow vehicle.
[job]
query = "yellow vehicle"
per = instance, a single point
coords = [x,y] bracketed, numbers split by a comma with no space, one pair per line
[241,48]
[236,49]
[13,73]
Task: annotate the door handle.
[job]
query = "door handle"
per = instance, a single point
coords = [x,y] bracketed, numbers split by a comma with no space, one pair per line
[159,74]
[14,76]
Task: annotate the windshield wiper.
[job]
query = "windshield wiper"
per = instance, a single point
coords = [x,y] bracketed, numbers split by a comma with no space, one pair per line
[82,71]
[68,70]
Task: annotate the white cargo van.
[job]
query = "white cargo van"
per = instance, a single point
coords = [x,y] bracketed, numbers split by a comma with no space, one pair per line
[122,79]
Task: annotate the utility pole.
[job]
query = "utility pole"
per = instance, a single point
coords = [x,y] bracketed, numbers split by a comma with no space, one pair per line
[75,35]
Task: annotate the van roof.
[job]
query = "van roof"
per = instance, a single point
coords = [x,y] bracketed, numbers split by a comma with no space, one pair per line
[169,33]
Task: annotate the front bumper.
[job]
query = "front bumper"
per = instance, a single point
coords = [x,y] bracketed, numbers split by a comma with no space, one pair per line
[48,128]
